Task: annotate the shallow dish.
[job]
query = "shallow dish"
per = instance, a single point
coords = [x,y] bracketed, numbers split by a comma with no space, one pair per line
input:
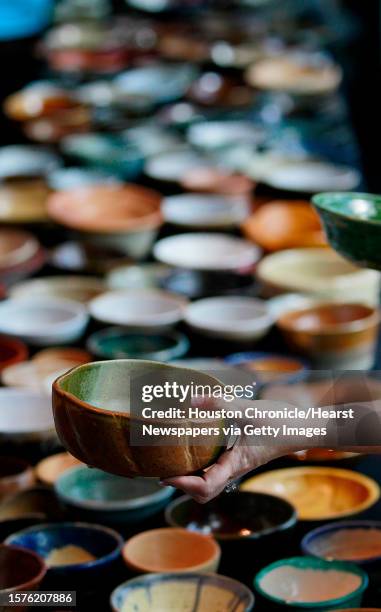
[139,309]
[12,351]
[270,367]
[49,470]
[351,222]
[94,495]
[206,251]
[197,592]
[43,321]
[318,493]
[15,475]
[171,549]
[233,318]
[205,211]
[117,343]
[25,416]
[77,288]
[317,272]
[20,570]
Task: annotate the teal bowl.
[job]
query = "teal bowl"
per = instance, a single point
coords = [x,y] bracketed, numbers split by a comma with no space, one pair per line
[96,496]
[117,343]
[352,223]
[284,575]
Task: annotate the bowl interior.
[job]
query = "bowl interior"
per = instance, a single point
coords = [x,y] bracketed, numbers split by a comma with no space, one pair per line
[358,206]
[325,316]
[117,343]
[18,567]
[357,541]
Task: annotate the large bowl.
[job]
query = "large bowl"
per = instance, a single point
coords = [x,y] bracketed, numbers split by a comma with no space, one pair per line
[93,402]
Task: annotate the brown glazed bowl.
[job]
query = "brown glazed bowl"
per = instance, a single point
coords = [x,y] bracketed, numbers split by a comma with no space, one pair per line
[11,351]
[15,475]
[91,407]
[20,570]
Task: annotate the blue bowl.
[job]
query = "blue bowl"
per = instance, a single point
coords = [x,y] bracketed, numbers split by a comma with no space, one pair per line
[21,22]
[102,542]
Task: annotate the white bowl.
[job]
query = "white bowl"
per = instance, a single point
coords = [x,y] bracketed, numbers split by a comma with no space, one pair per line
[230,318]
[172,167]
[215,134]
[43,321]
[207,251]
[25,415]
[138,309]
[142,276]
[26,160]
[204,210]
[76,288]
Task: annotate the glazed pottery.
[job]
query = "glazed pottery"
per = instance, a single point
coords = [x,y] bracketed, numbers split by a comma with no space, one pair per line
[198,592]
[21,161]
[139,309]
[160,82]
[284,224]
[12,351]
[312,177]
[151,138]
[122,217]
[206,251]
[340,336]
[15,475]
[49,470]
[20,570]
[43,321]
[75,178]
[39,502]
[196,284]
[216,134]
[25,416]
[86,257]
[243,319]
[95,398]
[215,180]
[16,247]
[205,211]
[172,166]
[318,493]
[11,525]
[36,100]
[24,201]
[307,583]
[351,222]
[143,276]
[64,124]
[320,273]
[171,549]
[94,495]
[117,343]
[77,288]
[270,367]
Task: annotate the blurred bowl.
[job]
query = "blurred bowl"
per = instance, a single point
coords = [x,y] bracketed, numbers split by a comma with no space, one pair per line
[95,495]
[171,550]
[50,469]
[16,247]
[211,135]
[196,284]
[20,570]
[25,416]
[117,343]
[197,592]
[205,210]
[173,166]
[86,257]
[160,82]
[270,367]
[12,351]
[39,502]
[76,288]
[318,272]
[64,124]
[341,336]
[95,397]
[15,475]
[24,201]
[72,178]
[38,99]
[318,493]
[217,181]
[11,525]
[21,161]
[142,276]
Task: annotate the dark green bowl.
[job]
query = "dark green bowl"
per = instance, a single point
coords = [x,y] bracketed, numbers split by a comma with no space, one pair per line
[352,223]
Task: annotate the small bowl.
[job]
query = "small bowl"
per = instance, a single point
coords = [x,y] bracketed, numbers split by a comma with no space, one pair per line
[143,276]
[43,321]
[213,135]
[160,82]
[196,592]
[318,493]
[171,550]
[340,336]
[209,211]
[38,99]
[75,178]
[16,247]
[206,251]
[196,284]
[76,288]
[49,470]
[102,544]
[12,351]
[14,274]
[95,495]
[150,310]
[24,201]
[86,257]
[172,166]
[284,224]
[217,181]
[103,405]
[351,222]
[25,416]
[21,161]
[270,367]
[317,272]
[307,583]
[20,570]
[117,343]
[15,475]
[242,319]
[39,502]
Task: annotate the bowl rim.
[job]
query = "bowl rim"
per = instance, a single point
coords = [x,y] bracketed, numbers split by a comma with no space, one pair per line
[319,201]
[372,487]
[263,318]
[286,322]
[316,563]
[38,578]
[77,312]
[176,351]
[25,469]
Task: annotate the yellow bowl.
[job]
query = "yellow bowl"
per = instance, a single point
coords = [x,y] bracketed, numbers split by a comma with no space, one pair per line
[318,493]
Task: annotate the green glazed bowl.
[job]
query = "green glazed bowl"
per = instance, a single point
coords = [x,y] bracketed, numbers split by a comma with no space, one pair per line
[352,599]
[352,223]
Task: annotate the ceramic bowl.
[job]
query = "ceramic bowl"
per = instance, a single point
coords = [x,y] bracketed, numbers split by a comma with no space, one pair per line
[205,211]
[270,367]
[20,570]
[341,336]
[307,583]
[143,276]
[351,223]
[74,256]
[318,272]
[152,138]
[76,288]
[11,525]
[242,319]
[24,201]
[206,251]
[14,274]
[43,321]
[171,549]
[39,502]
[212,135]
[38,99]
[196,284]
[25,416]
[100,548]
[172,166]
[21,161]
[217,181]
[160,82]
[197,592]
[15,475]
[150,310]
[64,124]
[285,224]
[16,247]
[12,351]
[95,495]
[49,470]
[318,493]
[95,397]
[75,178]
[122,217]
[116,343]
